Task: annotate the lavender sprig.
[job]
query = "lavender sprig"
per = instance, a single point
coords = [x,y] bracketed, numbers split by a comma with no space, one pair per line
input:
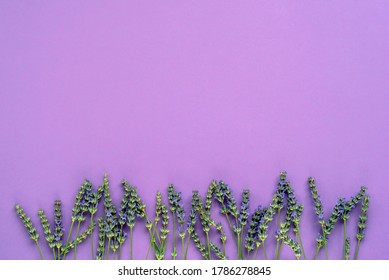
[219,253]
[252,239]
[110,219]
[327,228]
[362,224]
[93,199]
[29,226]
[177,209]
[242,221]
[101,246]
[135,208]
[223,237]
[294,213]
[223,195]
[321,240]
[278,204]
[47,231]
[348,207]
[58,228]
[158,237]
[205,218]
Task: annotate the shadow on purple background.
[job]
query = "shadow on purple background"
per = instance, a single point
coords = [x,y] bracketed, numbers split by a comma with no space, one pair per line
[184,93]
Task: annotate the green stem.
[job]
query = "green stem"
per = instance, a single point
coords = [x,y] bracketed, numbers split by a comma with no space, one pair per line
[298,235]
[264,250]
[108,247]
[182,247]
[255,253]
[187,247]
[59,254]
[54,256]
[75,243]
[131,243]
[357,250]
[317,252]
[151,238]
[70,232]
[231,227]
[148,251]
[208,246]
[277,248]
[120,251]
[224,248]
[325,242]
[39,249]
[344,237]
[174,237]
[91,238]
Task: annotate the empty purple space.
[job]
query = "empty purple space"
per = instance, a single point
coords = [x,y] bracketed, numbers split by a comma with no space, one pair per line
[184,92]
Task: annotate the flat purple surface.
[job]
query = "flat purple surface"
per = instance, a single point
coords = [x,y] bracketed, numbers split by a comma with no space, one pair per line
[185,92]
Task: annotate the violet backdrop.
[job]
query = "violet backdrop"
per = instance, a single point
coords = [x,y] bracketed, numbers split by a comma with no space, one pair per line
[184,92]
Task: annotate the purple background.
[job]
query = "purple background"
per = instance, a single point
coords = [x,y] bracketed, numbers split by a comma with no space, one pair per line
[185,92]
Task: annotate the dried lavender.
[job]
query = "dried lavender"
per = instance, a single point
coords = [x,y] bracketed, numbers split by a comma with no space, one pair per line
[76,213]
[190,226]
[348,207]
[123,215]
[278,204]
[223,195]
[252,239]
[101,245]
[178,213]
[223,237]
[362,224]
[158,237]
[136,208]
[327,228]
[242,221]
[47,231]
[321,240]
[110,219]
[58,228]
[29,226]
[219,253]
[205,217]
[202,248]
[93,199]
[269,212]
[82,209]
[294,213]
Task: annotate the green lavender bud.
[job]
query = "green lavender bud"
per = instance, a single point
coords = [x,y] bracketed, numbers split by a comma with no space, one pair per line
[253,231]
[101,246]
[95,199]
[218,252]
[46,228]
[244,209]
[335,216]
[27,223]
[59,229]
[200,245]
[317,201]
[295,246]
[165,221]
[210,194]
[363,218]
[350,204]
